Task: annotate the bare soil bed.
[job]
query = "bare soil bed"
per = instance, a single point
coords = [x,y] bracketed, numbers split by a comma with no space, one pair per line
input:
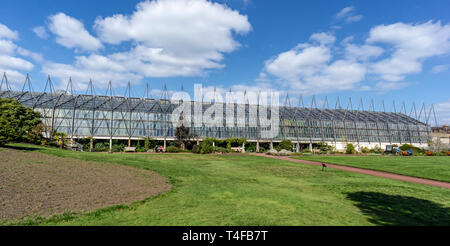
[36,184]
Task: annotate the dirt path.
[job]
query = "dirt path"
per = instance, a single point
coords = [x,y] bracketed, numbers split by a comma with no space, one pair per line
[365,171]
[36,184]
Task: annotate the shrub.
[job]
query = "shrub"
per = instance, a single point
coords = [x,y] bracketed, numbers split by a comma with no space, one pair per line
[16,121]
[377,149]
[439,154]
[173,149]
[350,149]
[196,149]
[99,147]
[285,144]
[428,153]
[324,147]
[222,150]
[206,147]
[406,147]
[365,150]
[117,147]
[146,144]
[412,148]
[235,142]
[250,148]
[60,139]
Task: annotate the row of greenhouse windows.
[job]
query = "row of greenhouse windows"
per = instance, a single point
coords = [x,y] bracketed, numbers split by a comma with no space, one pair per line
[159,125]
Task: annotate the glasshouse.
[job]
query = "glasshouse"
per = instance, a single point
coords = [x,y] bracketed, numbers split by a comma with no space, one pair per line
[124,117]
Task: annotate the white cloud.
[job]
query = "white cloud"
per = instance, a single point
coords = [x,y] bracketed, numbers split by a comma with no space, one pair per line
[167,38]
[12,57]
[385,86]
[99,68]
[323,38]
[440,68]
[33,55]
[347,13]
[412,44]
[15,63]
[7,33]
[7,47]
[362,52]
[443,112]
[309,68]
[298,62]
[323,67]
[354,18]
[193,34]
[340,75]
[41,32]
[71,33]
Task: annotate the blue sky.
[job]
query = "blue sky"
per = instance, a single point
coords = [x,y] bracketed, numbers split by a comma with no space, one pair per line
[384,50]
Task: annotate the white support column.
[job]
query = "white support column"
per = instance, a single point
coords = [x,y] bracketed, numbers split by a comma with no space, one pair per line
[110,145]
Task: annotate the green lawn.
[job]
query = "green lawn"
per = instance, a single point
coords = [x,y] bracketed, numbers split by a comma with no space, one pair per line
[250,190]
[430,167]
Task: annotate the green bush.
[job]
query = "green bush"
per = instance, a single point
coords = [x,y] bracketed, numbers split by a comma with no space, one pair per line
[439,154]
[324,147]
[196,149]
[251,148]
[377,149]
[365,150]
[406,147]
[16,121]
[412,148]
[206,146]
[173,149]
[235,142]
[117,147]
[99,147]
[147,144]
[285,144]
[350,149]
[222,150]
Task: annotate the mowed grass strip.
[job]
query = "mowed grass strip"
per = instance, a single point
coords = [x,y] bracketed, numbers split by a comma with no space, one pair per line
[251,190]
[429,167]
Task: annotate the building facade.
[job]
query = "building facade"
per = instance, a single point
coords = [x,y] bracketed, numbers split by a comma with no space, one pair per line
[441,135]
[116,117]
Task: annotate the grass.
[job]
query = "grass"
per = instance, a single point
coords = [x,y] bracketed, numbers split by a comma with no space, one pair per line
[251,190]
[430,167]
